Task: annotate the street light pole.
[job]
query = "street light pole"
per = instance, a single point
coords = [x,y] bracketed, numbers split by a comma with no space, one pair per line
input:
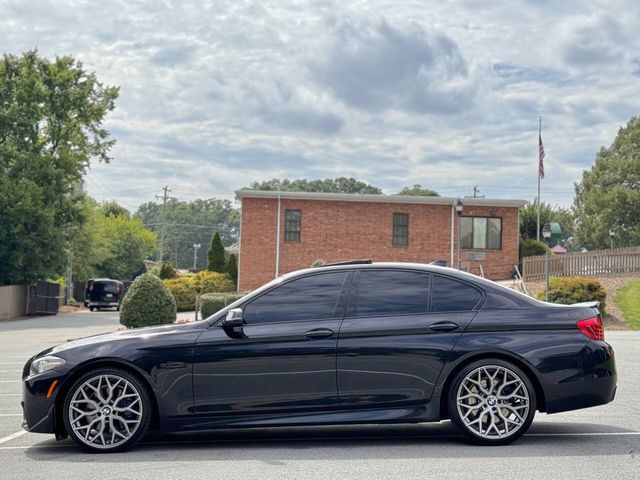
[196,246]
[611,235]
[459,207]
[546,234]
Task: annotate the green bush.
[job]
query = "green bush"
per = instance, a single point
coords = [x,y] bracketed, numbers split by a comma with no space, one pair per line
[184,291]
[231,268]
[530,247]
[167,271]
[568,290]
[210,303]
[147,302]
[186,287]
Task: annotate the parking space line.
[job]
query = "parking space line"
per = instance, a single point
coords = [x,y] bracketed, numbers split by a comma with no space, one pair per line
[10,414]
[10,394]
[8,438]
[10,381]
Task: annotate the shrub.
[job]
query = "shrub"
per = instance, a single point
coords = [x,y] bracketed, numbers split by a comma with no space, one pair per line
[568,290]
[207,282]
[215,254]
[147,302]
[167,271]
[184,291]
[530,247]
[210,303]
[318,262]
[231,268]
[186,288]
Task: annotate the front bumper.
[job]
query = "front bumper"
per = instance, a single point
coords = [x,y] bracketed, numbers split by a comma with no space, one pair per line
[593,381]
[38,401]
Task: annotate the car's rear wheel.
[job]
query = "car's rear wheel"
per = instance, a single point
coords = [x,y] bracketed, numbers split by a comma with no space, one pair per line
[107,410]
[91,309]
[492,402]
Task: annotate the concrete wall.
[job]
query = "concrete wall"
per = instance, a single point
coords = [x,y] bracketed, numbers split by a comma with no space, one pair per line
[13,301]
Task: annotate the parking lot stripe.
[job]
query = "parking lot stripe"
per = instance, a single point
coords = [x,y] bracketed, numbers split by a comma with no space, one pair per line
[10,414]
[8,438]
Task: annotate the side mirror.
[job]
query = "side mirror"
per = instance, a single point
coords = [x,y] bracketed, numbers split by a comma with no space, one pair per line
[233,318]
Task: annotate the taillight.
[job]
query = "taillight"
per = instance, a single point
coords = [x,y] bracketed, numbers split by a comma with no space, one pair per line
[592,328]
[117,288]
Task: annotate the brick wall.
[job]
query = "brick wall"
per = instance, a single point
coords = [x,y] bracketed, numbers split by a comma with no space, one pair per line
[342,230]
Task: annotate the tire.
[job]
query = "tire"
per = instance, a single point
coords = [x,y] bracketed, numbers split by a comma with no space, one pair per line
[99,423]
[495,414]
[91,309]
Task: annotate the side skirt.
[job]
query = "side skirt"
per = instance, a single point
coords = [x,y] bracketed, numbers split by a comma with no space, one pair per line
[411,414]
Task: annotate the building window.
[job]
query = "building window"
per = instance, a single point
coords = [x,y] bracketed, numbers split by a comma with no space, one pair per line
[292,220]
[481,232]
[400,229]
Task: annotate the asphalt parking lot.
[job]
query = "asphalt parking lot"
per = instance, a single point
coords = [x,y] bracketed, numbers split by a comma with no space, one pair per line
[601,442]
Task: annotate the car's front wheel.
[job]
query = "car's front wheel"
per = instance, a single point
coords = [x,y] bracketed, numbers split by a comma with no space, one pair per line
[492,402]
[107,410]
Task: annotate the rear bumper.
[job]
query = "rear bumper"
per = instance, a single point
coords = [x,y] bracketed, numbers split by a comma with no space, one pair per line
[38,402]
[103,304]
[593,383]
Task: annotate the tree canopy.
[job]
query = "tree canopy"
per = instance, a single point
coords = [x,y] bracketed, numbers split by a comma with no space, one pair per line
[608,195]
[215,255]
[51,114]
[189,223]
[548,213]
[417,190]
[327,185]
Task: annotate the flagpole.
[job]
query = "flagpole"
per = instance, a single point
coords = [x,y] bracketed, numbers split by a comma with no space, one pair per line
[539,203]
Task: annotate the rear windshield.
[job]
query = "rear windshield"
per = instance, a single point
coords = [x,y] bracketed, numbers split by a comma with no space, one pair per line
[104,287]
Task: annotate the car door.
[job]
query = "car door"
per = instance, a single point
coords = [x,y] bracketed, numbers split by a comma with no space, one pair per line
[399,327]
[284,357]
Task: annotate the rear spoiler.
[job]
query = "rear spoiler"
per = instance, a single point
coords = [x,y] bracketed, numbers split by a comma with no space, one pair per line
[592,304]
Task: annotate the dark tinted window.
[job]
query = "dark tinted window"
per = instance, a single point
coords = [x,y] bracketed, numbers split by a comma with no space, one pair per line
[448,295]
[308,298]
[292,225]
[389,292]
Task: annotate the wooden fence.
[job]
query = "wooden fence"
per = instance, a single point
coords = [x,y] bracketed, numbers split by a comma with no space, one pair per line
[596,262]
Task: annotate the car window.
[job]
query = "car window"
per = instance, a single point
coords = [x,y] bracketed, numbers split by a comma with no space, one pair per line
[308,298]
[391,292]
[448,295]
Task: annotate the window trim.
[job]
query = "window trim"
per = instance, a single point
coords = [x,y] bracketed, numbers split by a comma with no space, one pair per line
[297,232]
[486,234]
[393,230]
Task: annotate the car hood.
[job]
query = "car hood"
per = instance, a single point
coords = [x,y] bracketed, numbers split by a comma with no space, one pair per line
[138,334]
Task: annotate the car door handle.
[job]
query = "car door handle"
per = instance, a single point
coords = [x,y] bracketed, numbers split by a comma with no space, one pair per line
[319,334]
[443,326]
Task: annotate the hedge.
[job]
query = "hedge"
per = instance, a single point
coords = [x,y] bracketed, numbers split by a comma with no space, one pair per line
[147,302]
[210,303]
[568,290]
[186,287]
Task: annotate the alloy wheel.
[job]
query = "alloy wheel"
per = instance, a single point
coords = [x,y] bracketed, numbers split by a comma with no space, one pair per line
[105,411]
[493,402]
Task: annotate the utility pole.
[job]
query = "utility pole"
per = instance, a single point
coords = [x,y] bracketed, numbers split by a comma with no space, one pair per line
[164,198]
[196,246]
[476,191]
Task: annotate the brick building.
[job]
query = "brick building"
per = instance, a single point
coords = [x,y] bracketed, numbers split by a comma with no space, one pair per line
[285,231]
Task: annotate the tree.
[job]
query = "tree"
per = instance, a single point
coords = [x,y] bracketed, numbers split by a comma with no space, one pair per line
[215,254]
[167,271]
[328,185]
[232,268]
[51,118]
[417,190]
[608,195]
[130,243]
[189,223]
[548,214]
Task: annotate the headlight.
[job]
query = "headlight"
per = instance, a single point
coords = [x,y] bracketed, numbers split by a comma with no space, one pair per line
[43,364]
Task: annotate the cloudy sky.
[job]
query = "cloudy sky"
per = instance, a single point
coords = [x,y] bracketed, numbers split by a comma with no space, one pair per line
[446,94]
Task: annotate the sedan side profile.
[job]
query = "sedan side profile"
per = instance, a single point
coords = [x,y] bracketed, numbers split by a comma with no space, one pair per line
[341,344]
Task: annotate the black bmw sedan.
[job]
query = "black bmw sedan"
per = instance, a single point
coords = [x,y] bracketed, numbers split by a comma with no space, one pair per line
[352,343]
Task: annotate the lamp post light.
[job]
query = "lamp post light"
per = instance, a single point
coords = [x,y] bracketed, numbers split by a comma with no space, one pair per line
[546,234]
[459,212]
[611,235]
[196,246]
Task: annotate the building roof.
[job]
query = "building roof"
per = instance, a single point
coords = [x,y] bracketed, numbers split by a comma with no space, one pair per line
[357,197]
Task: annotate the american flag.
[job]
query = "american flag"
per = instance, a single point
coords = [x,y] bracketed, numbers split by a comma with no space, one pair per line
[540,156]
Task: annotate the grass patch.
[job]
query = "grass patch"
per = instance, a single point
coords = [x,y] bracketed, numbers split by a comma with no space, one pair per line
[628,300]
